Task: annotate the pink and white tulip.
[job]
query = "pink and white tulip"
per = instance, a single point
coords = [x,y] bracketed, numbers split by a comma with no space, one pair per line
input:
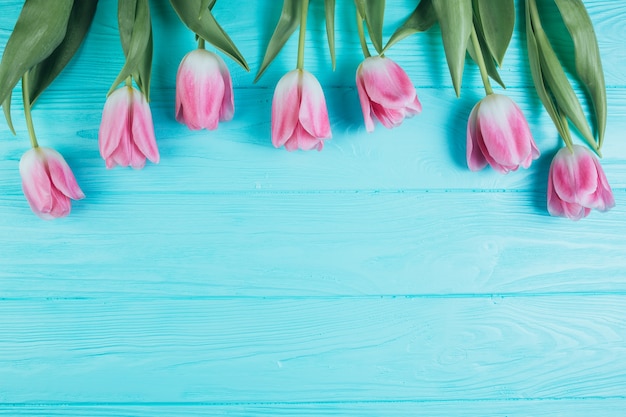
[126,135]
[385,92]
[299,114]
[204,91]
[498,135]
[48,183]
[577,184]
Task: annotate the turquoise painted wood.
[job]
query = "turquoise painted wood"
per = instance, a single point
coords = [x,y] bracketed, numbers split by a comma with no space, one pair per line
[377,277]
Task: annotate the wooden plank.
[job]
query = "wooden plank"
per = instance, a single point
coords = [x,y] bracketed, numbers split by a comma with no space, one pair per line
[309,244]
[425,153]
[524,408]
[302,350]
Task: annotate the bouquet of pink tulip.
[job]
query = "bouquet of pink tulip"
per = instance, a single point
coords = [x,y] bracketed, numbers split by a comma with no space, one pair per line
[497,131]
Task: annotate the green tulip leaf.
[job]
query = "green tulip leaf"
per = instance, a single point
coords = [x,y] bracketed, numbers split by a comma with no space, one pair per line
[135,30]
[39,29]
[587,55]
[373,11]
[6,108]
[287,24]
[206,4]
[538,80]
[329,8]
[43,73]
[497,20]
[557,81]
[455,21]
[207,27]
[420,20]
[490,65]
[144,69]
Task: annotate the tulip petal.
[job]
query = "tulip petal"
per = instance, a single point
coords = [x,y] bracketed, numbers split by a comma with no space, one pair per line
[61,175]
[475,158]
[61,205]
[386,83]
[115,124]
[313,114]
[285,108]
[389,117]
[227,109]
[143,128]
[35,181]
[306,141]
[365,102]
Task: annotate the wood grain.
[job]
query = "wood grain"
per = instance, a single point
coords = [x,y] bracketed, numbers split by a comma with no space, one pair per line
[298,350]
[309,244]
[548,408]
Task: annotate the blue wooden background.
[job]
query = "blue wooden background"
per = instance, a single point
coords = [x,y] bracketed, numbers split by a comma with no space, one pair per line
[378,277]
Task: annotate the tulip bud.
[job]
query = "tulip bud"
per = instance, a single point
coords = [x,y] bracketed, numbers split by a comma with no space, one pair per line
[204,91]
[385,92]
[126,135]
[48,183]
[299,114]
[498,135]
[577,184]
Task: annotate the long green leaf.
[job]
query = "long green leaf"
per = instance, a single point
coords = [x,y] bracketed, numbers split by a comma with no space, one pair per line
[490,65]
[420,20]
[497,20]
[329,8]
[143,72]
[588,62]
[43,73]
[557,81]
[537,76]
[287,24]
[39,29]
[455,20]
[207,28]
[373,11]
[6,108]
[135,33]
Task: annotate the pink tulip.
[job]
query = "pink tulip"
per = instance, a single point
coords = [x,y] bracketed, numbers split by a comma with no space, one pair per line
[299,114]
[204,91]
[577,184]
[386,93]
[126,136]
[498,135]
[48,183]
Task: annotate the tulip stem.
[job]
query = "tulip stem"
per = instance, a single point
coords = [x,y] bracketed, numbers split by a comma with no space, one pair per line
[27,114]
[359,25]
[129,81]
[200,43]
[305,10]
[481,62]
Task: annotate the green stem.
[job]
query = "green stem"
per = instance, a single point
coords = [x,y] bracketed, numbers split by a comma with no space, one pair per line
[27,114]
[129,81]
[481,62]
[305,10]
[566,137]
[200,43]
[359,25]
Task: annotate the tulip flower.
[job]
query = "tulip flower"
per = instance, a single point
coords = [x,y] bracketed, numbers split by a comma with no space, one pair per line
[577,184]
[498,135]
[48,183]
[299,114]
[126,135]
[385,92]
[204,91]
